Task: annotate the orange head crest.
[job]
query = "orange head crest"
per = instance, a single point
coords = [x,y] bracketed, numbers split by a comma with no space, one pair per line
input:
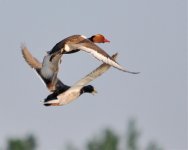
[98,38]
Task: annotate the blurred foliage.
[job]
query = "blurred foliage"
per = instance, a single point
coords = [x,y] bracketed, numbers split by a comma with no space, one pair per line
[107,140]
[28,143]
[153,146]
[70,146]
[132,136]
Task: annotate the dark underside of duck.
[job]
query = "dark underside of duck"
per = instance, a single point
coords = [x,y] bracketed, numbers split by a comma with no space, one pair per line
[60,88]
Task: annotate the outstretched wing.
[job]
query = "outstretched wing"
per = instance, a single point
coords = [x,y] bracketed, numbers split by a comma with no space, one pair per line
[31,61]
[94,74]
[57,98]
[36,65]
[98,53]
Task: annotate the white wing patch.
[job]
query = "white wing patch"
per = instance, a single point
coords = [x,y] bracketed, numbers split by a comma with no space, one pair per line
[84,36]
[66,48]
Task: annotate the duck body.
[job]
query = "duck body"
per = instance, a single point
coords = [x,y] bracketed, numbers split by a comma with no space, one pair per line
[59,98]
[60,45]
[65,97]
[76,39]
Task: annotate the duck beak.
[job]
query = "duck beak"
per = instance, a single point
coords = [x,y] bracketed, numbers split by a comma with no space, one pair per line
[94,92]
[106,41]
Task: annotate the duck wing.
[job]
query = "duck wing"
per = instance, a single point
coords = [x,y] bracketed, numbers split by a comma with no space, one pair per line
[31,61]
[98,53]
[84,81]
[94,74]
[36,65]
[57,98]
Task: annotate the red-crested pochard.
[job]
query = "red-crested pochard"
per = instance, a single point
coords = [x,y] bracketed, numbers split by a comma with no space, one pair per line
[75,43]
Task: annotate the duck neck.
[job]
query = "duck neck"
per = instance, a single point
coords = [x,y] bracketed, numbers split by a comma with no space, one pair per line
[91,38]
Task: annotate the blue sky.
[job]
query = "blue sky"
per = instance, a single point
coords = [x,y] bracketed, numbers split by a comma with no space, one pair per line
[150,37]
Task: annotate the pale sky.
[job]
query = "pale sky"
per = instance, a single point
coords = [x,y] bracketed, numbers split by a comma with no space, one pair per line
[150,37]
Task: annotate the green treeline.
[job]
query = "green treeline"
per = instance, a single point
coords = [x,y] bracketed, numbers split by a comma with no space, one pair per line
[107,140]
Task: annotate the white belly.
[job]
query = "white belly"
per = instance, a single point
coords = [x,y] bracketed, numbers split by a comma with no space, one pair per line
[69,96]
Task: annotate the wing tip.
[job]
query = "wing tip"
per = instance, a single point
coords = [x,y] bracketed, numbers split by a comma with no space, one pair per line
[23,45]
[131,72]
[114,56]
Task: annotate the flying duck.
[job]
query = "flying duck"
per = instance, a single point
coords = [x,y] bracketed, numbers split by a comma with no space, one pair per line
[75,43]
[97,38]
[62,98]
[48,69]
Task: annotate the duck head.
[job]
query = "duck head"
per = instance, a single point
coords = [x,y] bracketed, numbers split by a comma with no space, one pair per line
[88,89]
[98,38]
